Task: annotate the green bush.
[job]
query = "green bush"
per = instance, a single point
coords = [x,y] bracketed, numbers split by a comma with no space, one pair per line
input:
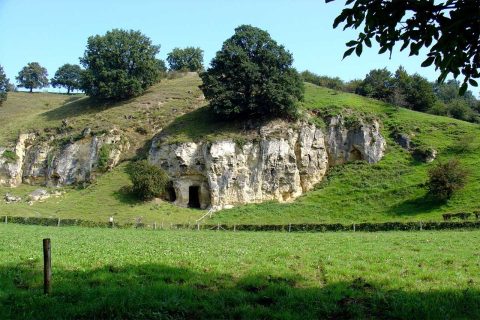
[149,181]
[446,178]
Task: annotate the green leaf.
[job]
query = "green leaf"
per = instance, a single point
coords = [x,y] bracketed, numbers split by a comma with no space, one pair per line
[368,42]
[351,43]
[463,89]
[473,82]
[428,61]
[358,49]
[348,52]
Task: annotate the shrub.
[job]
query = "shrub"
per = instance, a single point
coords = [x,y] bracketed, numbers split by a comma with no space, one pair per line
[149,181]
[187,59]
[252,76]
[446,178]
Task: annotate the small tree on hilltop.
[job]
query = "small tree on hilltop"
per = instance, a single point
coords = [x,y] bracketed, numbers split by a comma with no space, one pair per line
[149,181]
[119,65]
[67,76]
[4,86]
[252,75]
[446,178]
[188,59]
[33,76]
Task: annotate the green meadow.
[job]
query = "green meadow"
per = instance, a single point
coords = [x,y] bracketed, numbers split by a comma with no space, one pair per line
[138,274]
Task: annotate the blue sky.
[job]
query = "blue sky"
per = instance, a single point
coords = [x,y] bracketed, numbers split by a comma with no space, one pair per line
[54,32]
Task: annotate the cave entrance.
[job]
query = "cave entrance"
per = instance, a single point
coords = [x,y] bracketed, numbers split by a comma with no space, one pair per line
[171,195]
[355,155]
[194,197]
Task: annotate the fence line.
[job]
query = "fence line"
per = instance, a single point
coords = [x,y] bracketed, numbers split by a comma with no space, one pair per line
[321,227]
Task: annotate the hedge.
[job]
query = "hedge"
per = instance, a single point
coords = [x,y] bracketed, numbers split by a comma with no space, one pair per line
[315,227]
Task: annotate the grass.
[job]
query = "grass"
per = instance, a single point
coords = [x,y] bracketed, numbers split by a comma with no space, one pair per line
[106,197]
[119,274]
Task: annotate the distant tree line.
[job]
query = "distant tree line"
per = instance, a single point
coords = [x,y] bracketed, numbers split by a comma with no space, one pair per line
[409,91]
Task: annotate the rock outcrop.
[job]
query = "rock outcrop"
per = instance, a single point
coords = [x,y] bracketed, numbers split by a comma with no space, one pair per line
[281,164]
[53,163]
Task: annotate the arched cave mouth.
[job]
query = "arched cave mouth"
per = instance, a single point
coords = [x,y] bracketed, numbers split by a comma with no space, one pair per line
[355,155]
[194,197]
[170,193]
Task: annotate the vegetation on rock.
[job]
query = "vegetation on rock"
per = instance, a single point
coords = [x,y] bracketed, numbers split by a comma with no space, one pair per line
[120,65]
[252,76]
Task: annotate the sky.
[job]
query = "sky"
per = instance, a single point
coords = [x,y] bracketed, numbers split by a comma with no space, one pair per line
[55,32]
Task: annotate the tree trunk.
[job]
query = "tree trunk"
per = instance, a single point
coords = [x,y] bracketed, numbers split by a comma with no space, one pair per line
[68,90]
[31,90]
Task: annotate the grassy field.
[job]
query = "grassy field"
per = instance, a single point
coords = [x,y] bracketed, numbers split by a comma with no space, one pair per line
[391,190]
[105,273]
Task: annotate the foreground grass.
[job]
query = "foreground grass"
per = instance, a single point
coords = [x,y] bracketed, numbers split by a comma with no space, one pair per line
[104,273]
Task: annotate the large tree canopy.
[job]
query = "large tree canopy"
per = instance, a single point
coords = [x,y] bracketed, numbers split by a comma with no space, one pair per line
[33,76]
[67,76]
[449,28]
[4,85]
[119,65]
[252,75]
[187,59]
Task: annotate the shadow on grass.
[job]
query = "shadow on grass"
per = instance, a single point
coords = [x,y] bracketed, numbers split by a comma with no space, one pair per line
[79,106]
[423,204]
[152,291]
[195,125]
[126,196]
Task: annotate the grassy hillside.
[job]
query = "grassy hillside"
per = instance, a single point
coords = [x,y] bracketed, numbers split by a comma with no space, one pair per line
[391,190]
[120,274]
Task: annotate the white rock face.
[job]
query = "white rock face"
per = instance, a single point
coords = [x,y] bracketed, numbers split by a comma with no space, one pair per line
[42,162]
[284,163]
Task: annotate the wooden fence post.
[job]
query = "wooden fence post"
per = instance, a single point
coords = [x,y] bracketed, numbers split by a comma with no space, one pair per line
[155,225]
[354,227]
[198,226]
[234,227]
[47,267]
[58,223]
[289,227]
[218,226]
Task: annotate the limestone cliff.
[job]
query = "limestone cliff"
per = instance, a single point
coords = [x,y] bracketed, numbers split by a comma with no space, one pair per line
[49,162]
[281,164]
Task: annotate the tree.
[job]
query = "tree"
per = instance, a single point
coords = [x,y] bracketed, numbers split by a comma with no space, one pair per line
[449,28]
[378,84]
[33,76]
[252,76]
[416,91]
[4,85]
[446,178]
[148,180]
[188,59]
[119,65]
[67,76]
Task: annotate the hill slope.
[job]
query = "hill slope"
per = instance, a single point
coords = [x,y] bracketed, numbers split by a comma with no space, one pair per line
[391,190]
